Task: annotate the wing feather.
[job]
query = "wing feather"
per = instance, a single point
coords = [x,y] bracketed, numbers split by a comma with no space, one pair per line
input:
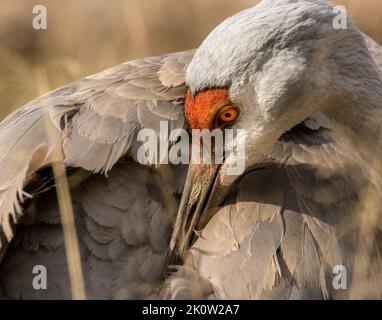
[94,121]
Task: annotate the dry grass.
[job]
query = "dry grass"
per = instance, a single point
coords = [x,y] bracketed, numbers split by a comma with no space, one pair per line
[84,37]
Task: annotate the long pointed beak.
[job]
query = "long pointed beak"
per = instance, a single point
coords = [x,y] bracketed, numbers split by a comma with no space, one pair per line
[196,199]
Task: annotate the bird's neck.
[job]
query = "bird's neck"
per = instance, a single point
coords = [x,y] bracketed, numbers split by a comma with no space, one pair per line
[358,115]
[354,91]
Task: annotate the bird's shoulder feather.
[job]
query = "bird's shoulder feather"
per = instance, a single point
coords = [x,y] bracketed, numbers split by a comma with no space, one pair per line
[89,124]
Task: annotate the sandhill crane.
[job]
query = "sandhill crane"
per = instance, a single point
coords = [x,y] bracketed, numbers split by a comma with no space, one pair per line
[309,98]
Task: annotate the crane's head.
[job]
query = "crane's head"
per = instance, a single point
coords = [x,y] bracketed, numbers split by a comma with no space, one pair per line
[264,70]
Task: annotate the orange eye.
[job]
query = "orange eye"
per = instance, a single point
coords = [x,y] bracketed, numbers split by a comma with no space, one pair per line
[228,115]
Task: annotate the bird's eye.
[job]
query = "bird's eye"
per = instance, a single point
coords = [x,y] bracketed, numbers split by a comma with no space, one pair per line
[227,115]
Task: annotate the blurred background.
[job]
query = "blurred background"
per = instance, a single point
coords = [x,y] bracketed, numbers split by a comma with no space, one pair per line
[86,36]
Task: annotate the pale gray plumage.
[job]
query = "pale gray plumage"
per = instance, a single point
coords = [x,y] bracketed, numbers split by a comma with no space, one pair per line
[118,104]
[284,225]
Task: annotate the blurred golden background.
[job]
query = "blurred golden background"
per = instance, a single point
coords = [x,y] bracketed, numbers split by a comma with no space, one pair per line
[86,36]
